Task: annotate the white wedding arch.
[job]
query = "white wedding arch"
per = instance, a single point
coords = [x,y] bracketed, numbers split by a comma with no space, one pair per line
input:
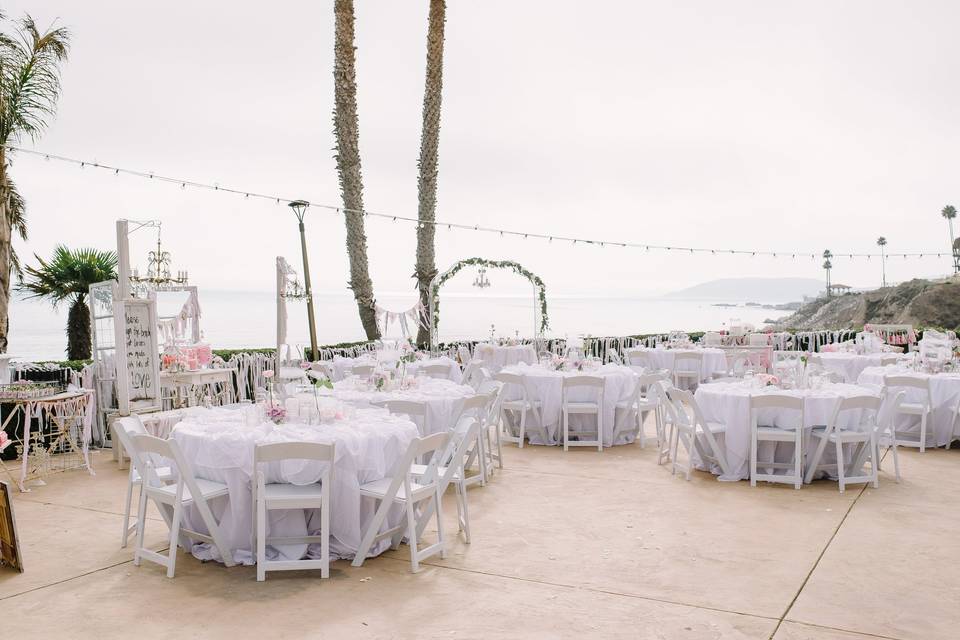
[540,319]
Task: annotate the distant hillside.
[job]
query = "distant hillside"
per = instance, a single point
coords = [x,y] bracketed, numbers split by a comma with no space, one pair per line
[921,303]
[752,290]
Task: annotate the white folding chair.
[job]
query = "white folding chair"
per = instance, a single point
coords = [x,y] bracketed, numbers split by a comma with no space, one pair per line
[687,365]
[737,361]
[581,408]
[361,370]
[125,428]
[920,409]
[887,360]
[665,419]
[695,432]
[494,391]
[712,339]
[783,432]
[474,374]
[886,428]
[640,358]
[637,403]
[476,407]
[463,351]
[438,370]
[172,499]
[404,490]
[862,438]
[279,496]
[415,410]
[450,468]
[526,403]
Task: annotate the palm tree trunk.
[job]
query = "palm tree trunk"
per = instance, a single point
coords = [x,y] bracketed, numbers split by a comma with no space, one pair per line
[429,150]
[6,237]
[78,330]
[346,128]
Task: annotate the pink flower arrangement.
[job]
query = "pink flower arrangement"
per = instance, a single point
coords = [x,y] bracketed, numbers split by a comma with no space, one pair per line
[304,365]
[268,373]
[276,414]
[4,440]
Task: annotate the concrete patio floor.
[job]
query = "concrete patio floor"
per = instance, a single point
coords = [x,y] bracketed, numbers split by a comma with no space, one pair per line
[566,545]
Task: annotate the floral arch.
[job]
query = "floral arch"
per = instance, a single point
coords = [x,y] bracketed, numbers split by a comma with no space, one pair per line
[540,319]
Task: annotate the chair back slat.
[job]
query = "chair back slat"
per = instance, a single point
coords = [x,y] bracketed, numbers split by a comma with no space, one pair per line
[271,452]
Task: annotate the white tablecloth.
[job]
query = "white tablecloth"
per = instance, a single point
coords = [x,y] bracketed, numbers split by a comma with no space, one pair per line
[444,399]
[220,447]
[729,404]
[495,357]
[850,365]
[546,385]
[389,361]
[944,393]
[714,360]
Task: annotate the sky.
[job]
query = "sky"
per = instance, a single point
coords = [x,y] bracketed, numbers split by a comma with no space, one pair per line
[789,127]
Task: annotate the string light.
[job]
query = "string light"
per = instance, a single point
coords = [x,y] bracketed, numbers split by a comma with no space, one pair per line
[151,175]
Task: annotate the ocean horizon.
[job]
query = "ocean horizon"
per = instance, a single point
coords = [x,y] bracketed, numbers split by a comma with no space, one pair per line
[232,319]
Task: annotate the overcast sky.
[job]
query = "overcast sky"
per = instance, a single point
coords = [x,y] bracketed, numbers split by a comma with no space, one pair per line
[754,125]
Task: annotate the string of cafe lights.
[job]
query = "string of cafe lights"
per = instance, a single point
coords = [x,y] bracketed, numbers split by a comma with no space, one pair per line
[439,224]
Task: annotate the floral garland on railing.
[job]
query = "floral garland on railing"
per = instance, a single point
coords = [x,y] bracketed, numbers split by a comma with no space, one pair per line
[496,264]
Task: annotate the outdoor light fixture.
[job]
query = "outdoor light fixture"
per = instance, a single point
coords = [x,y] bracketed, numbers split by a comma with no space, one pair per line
[299,209]
[159,277]
[481,281]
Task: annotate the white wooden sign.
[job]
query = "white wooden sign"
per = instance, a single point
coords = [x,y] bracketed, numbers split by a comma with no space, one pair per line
[137,353]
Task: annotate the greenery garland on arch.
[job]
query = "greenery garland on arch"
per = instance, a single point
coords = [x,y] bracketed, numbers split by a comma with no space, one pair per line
[495,264]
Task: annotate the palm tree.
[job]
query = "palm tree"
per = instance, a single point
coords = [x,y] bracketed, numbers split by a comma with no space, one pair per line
[68,276]
[827,265]
[346,130]
[882,243]
[429,148]
[29,89]
[950,212]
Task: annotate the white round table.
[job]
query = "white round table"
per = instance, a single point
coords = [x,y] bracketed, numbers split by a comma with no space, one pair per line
[496,357]
[729,404]
[390,361]
[944,394]
[546,385]
[851,365]
[444,399]
[714,360]
[220,446]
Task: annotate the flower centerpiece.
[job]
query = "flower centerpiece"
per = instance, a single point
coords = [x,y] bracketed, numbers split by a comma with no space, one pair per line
[4,440]
[379,380]
[276,415]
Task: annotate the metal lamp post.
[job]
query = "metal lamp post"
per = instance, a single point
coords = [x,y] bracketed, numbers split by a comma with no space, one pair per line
[299,209]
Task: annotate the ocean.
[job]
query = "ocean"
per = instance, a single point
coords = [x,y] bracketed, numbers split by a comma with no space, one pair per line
[239,319]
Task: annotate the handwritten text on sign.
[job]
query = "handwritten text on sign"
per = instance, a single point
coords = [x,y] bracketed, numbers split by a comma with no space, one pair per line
[140,352]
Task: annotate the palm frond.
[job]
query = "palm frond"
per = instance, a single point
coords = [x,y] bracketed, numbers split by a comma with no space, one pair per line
[68,274]
[30,78]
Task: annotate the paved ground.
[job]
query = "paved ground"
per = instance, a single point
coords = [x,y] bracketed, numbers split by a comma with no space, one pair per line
[572,545]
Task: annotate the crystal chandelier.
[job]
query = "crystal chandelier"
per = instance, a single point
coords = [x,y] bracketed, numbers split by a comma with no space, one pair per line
[159,276]
[481,281]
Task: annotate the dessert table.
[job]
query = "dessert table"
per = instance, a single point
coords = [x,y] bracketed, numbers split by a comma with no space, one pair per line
[851,365]
[496,357]
[729,404]
[714,360]
[188,388]
[219,443]
[944,394]
[444,399]
[546,385]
